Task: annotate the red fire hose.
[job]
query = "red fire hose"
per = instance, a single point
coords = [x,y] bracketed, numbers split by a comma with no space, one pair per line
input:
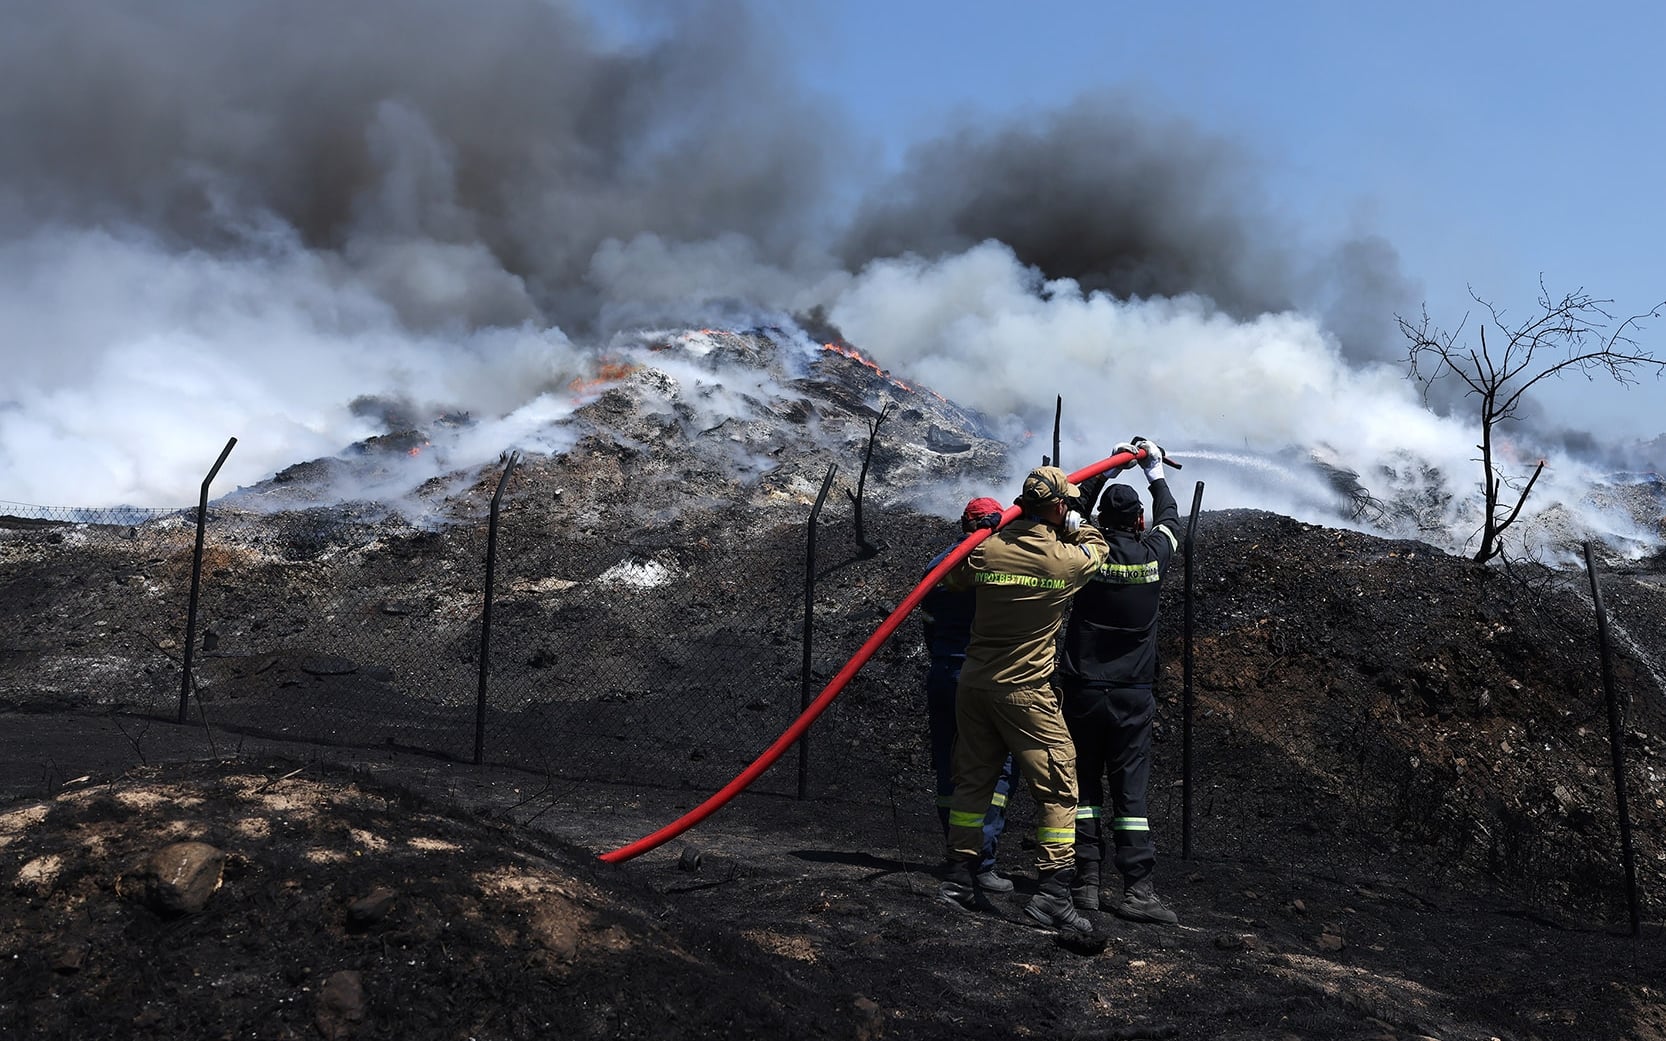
[745,778]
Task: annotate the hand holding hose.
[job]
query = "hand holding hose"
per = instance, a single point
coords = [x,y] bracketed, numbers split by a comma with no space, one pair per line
[1131,449]
[1152,462]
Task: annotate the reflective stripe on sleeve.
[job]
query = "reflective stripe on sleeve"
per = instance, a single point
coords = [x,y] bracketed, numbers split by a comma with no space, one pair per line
[1174,543]
[1130,574]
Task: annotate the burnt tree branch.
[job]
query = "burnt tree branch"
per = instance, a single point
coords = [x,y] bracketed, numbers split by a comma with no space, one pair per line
[866,548]
[1572,333]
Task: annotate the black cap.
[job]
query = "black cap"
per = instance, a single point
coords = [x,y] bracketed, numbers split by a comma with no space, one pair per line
[1120,506]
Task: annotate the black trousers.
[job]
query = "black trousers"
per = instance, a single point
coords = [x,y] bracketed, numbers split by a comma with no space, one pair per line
[1111,727]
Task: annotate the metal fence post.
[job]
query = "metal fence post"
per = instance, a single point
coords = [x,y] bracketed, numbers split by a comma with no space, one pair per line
[196,583]
[1058,413]
[486,612]
[1615,745]
[809,628]
[866,548]
[1186,685]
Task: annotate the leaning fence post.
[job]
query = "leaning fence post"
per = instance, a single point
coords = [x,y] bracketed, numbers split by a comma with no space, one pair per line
[809,629]
[1615,746]
[1058,413]
[862,544]
[486,613]
[196,583]
[1186,686]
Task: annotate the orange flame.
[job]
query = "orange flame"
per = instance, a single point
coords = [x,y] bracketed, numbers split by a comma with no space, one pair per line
[861,359]
[607,372]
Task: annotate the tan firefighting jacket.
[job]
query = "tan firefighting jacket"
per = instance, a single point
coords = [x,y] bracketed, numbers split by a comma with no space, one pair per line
[1025,575]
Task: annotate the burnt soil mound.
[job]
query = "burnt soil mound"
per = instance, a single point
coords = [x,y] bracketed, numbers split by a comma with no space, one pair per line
[1403,812]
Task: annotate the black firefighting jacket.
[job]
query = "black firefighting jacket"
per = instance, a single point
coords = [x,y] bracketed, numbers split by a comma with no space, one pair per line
[1111,638]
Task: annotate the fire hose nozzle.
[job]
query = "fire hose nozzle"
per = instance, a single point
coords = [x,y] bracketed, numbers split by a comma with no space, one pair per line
[1163,455]
[1165,458]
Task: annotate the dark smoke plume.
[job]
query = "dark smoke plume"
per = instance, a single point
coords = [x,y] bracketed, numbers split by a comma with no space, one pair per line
[1133,206]
[1130,203]
[468,161]
[503,135]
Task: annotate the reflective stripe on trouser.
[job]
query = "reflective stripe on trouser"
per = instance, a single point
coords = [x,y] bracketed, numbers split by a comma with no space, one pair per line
[1111,727]
[1026,723]
[941,681]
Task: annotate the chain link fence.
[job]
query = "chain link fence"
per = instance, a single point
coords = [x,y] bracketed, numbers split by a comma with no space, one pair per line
[609,662]
[99,629]
[671,664]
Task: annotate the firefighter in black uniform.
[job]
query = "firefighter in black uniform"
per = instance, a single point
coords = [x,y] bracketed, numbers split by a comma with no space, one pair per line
[1108,667]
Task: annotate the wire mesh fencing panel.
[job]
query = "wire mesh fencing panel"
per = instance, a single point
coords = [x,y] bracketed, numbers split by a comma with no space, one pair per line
[641,665]
[676,664]
[338,627]
[92,606]
[672,665]
[679,664]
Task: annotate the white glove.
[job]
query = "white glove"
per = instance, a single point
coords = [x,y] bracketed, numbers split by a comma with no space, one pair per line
[1072,521]
[1124,446]
[1152,464]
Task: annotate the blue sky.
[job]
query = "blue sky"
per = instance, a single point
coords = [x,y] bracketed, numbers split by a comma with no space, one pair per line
[1489,142]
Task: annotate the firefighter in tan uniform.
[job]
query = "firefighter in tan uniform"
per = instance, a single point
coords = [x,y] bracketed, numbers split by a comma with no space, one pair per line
[1024,576]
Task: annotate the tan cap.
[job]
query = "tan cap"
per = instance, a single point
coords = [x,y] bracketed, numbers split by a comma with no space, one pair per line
[1047,484]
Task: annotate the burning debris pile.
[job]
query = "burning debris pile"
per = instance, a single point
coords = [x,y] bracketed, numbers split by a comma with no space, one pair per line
[751,417]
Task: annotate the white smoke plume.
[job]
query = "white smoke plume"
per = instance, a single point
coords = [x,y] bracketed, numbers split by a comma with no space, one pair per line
[304,223]
[1267,406]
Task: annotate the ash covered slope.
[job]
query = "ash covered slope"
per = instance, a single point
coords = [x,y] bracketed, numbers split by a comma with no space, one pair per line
[662,549]
[1373,717]
[1426,705]
[727,418]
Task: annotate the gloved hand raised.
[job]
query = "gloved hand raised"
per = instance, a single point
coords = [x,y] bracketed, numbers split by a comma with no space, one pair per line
[989,520]
[1152,464]
[1072,521]
[1123,446]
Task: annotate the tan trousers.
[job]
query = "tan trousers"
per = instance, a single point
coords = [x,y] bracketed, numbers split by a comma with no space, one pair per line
[1026,722]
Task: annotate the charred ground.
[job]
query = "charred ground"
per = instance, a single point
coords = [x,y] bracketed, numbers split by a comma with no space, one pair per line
[1403,827]
[1403,816]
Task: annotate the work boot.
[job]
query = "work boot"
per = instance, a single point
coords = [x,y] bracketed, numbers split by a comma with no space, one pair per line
[991,882]
[1084,891]
[1140,903]
[1051,907]
[959,889]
